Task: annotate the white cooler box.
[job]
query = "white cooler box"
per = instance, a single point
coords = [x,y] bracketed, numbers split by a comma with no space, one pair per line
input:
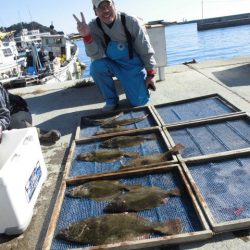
[22,173]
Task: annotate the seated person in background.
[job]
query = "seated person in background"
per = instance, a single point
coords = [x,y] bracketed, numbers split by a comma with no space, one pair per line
[14,114]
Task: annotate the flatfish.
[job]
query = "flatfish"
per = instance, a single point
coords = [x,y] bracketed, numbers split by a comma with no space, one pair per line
[151,159]
[123,122]
[112,130]
[101,121]
[113,228]
[126,141]
[105,155]
[142,198]
[100,190]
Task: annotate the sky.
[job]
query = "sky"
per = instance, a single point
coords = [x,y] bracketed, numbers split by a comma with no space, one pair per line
[59,12]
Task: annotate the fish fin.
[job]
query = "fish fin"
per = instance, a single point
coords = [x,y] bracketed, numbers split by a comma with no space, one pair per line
[174,192]
[79,157]
[61,236]
[68,193]
[133,187]
[124,166]
[100,132]
[131,154]
[150,137]
[170,227]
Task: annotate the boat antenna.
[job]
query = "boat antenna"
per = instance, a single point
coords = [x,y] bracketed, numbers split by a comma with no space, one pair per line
[19,19]
[52,31]
[32,24]
[51,26]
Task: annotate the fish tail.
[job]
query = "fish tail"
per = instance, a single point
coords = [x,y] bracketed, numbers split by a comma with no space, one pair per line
[132,154]
[174,192]
[175,150]
[140,118]
[170,227]
[87,121]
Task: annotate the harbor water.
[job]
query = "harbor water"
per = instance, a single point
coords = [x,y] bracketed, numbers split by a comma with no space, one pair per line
[184,43]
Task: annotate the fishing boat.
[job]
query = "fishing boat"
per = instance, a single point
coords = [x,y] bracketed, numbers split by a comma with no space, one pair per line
[54,60]
[10,64]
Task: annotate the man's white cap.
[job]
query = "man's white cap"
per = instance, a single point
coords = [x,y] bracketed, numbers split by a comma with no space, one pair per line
[97,2]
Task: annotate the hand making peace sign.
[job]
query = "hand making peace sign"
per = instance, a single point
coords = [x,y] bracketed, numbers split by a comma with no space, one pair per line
[82,26]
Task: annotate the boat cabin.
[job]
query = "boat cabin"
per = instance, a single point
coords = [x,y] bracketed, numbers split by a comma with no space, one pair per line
[59,45]
[29,37]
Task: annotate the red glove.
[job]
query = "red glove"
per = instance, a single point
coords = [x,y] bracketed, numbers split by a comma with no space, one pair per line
[150,80]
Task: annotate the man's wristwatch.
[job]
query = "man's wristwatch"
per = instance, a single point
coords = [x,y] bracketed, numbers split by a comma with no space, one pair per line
[151,76]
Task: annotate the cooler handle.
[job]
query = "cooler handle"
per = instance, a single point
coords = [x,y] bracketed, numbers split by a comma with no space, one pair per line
[27,140]
[15,156]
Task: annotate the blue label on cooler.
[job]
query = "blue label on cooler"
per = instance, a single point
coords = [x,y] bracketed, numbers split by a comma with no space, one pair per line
[33,181]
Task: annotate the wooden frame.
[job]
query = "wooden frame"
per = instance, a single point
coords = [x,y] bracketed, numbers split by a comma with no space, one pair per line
[206,121]
[148,110]
[222,226]
[223,100]
[156,130]
[201,207]
[216,227]
[236,116]
[205,233]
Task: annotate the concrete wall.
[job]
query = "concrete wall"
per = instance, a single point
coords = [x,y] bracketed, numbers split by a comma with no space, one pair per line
[224,21]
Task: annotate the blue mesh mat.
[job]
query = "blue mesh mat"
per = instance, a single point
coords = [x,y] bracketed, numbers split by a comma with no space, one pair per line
[86,131]
[213,138]
[85,168]
[193,109]
[177,207]
[225,187]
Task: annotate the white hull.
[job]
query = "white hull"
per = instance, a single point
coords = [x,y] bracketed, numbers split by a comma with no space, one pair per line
[68,72]
[10,66]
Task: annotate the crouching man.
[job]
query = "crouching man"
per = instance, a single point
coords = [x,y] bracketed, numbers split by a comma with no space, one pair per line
[118,45]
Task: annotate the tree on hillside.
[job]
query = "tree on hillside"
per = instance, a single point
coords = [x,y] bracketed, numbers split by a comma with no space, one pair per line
[29,26]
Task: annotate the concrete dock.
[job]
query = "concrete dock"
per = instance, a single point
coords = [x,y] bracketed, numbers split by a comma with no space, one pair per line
[60,107]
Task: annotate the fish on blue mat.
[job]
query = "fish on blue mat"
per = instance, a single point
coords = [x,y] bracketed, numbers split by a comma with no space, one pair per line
[141,161]
[123,122]
[126,141]
[114,228]
[105,155]
[112,130]
[100,190]
[142,198]
[101,121]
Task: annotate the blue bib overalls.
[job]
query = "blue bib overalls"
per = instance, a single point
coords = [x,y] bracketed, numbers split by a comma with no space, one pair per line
[130,72]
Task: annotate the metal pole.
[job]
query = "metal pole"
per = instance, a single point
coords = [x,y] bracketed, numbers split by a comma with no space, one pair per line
[201,9]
